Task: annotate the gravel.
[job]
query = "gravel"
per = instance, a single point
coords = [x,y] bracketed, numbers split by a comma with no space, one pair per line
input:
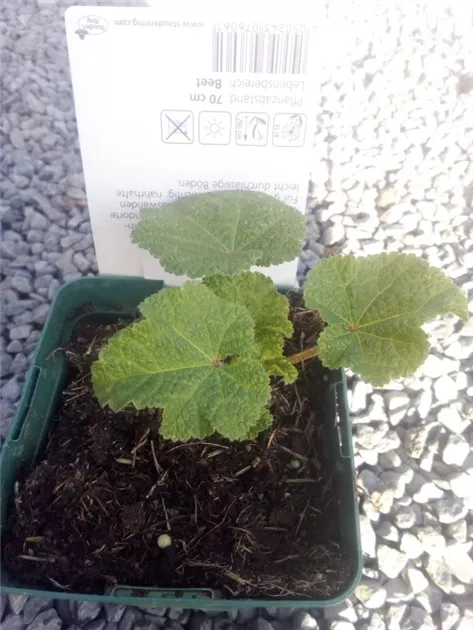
[392,171]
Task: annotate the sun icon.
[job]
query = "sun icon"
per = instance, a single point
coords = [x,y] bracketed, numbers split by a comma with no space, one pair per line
[214,128]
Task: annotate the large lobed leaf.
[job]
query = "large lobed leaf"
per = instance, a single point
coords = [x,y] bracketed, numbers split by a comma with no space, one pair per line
[220,233]
[270,312]
[191,356]
[375,307]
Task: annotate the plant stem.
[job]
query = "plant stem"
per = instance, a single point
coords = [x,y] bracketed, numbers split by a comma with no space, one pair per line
[304,355]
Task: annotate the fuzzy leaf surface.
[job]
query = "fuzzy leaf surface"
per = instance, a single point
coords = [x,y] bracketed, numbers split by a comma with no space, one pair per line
[270,312]
[176,359]
[376,306]
[265,421]
[220,233]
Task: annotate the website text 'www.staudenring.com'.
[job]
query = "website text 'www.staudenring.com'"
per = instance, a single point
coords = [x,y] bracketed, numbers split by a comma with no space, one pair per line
[158,23]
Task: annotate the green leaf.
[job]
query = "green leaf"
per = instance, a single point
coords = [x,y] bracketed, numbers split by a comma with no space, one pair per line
[376,306]
[281,366]
[265,421]
[221,233]
[189,356]
[270,312]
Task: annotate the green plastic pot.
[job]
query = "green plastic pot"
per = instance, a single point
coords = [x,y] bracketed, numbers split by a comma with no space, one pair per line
[107,298]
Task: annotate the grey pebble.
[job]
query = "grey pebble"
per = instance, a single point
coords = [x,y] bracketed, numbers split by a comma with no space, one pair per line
[304,621]
[259,624]
[20,181]
[34,606]
[13,622]
[49,141]
[6,365]
[333,234]
[20,332]
[40,314]
[175,613]
[17,603]
[76,180]
[11,391]
[146,624]
[418,619]
[76,193]
[20,364]
[130,617]
[70,240]
[21,283]
[246,614]
[38,221]
[114,612]
[46,620]
[10,249]
[200,621]
[222,622]
[64,608]
[95,624]
[81,262]
[51,240]
[87,611]
[17,139]
[3,605]
[450,510]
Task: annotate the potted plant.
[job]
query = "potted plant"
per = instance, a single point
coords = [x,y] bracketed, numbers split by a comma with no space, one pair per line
[191,445]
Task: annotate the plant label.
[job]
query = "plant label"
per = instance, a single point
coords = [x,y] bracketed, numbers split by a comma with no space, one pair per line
[186,98]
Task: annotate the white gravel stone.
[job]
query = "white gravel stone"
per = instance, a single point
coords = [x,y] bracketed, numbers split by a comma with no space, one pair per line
[368,480]
[428,492]
[394,616]
[439,571]
[452,419]
[387,531]
[416,579]
[418,619]
[445,389]
[387,197]
[368,536]
[370,593]
[17,603]
[431,539]
[435,367]
[405,517]
[397,403]
[430,599]
[462,485]
[456,450]
[450,510]
[458,559]
[359,395]
[466,622]
[411,546]
[420,438]
[341,625]
[458,531]
[389,460]
[397,591]
[391,561]
[449,615]
[345,610]
[424,401]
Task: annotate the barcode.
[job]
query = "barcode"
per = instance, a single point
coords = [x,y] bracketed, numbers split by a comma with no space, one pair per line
[270,53]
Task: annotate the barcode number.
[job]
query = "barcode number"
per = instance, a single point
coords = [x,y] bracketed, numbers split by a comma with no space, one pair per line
[270,53]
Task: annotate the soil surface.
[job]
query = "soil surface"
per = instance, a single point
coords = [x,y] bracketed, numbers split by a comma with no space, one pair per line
[257,518]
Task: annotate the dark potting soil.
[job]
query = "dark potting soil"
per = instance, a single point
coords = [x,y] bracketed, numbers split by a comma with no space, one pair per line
[251,519]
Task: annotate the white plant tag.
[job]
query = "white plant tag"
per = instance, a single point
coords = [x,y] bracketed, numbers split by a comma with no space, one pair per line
[186,98]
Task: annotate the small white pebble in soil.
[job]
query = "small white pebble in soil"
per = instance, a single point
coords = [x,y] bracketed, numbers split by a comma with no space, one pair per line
[164,541]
